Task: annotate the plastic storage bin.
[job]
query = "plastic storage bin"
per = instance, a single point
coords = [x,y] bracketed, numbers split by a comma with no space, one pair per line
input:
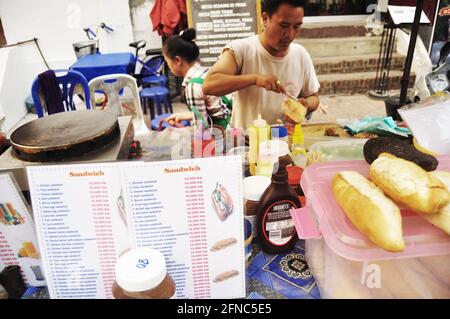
[346,264]
[347,149]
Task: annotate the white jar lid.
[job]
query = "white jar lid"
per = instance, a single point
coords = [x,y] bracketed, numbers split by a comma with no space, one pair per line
[254,187]
[278,147]
[140,269]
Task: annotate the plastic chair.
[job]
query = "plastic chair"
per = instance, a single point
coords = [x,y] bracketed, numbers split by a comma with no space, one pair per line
[150,73]
[111,85]
[68,82]
[158,96]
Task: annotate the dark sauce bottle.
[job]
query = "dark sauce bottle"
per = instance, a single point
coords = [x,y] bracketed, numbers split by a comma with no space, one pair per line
[276,231]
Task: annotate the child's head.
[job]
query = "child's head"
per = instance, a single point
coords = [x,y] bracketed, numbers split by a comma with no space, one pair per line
[180,51]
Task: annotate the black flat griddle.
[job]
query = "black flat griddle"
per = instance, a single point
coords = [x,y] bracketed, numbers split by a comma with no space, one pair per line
[64,135]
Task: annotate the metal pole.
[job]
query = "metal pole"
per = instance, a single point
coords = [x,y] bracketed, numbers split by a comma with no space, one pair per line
[410,56]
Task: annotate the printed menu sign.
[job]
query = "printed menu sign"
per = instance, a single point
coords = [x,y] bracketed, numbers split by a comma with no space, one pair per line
[189,210]
[18,241]
[192,211]
[81,227]
[218,22]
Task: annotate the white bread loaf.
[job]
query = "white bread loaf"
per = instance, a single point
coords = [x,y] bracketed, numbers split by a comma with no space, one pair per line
[369,210]
[408,184]
[442,218]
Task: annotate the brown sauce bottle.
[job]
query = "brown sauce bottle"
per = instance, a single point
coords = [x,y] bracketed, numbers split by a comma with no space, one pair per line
[276,231]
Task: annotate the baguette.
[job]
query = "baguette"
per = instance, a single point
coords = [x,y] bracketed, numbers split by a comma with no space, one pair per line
[442,218]
[408,184]
[369,210]
[295,110]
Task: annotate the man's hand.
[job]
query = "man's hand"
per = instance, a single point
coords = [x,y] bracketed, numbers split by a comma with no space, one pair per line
[178,117]
[270,82]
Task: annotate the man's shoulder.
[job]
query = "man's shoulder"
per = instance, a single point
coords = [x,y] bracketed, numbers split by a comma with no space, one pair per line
[299,49]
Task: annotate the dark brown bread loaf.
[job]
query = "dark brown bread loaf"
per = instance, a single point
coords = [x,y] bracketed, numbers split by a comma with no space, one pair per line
[374,147]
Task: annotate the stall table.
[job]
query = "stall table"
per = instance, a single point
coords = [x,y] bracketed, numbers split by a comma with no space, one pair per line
[95,65]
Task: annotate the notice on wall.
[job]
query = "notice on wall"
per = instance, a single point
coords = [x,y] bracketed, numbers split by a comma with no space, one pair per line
[192,211]
[189,210]
[219,22]
[81,226]
[405,14]
[18,241]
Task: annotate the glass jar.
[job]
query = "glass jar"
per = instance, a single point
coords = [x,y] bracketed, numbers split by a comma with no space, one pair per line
[141,274]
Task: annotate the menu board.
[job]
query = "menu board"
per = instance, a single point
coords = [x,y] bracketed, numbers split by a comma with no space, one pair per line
[192,211]
[189,210]
[18,241]
[81,226]
[219,22]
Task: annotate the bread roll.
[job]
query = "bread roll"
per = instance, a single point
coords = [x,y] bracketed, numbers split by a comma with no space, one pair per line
[369,210]
[442,218]
[408,184]
[295,110]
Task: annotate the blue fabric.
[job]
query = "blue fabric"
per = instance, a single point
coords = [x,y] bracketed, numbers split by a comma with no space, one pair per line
[94,65]
[285,274]
[66,79]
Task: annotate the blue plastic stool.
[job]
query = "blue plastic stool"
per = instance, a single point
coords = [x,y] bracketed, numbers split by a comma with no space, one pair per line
[158,96]
[155,122]
[154,80]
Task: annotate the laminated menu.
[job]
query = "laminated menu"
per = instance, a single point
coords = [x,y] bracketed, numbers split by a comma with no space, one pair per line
[81,227]
[189,210]
[18,241]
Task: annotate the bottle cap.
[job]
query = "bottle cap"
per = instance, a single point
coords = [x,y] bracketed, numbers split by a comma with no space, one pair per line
[254,187]
[298,137]
[140,269]
[279,132]
[294,175]
[259,122]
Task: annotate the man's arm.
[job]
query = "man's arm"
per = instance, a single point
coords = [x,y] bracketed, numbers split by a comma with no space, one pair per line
[311,102]
[222,78]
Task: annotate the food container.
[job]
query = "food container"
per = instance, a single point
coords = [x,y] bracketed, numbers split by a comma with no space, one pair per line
[346,264]
[347,149]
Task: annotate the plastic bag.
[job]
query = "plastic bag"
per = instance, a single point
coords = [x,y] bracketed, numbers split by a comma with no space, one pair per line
[382,126]
[430,124]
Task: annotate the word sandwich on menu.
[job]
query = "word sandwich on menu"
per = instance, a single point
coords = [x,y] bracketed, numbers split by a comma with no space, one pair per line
[192,212]
[189,210]
[18,241]
[218,22]
[81,226]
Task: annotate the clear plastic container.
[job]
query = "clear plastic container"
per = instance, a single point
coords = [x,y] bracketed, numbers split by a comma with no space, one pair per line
[348,149]
[347,265]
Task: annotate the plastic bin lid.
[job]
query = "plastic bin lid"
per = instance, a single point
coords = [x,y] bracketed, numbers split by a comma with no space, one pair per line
[323,217]
[348,149]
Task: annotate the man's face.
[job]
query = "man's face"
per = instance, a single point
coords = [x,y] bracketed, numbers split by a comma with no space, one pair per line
[283,26]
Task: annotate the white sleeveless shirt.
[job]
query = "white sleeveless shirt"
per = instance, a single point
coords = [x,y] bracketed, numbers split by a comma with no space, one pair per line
[295,71]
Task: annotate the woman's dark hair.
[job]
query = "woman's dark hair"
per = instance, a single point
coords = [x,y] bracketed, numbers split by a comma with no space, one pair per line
[271,6]
[183,46]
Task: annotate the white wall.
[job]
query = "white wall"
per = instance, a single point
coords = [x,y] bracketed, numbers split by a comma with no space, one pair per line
[57,24]
[142,25]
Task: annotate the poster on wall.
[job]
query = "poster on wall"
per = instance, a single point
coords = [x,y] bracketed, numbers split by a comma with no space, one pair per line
[18,241]
[219,22]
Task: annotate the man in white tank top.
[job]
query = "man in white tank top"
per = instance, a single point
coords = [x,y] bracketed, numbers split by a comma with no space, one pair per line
[258,69]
